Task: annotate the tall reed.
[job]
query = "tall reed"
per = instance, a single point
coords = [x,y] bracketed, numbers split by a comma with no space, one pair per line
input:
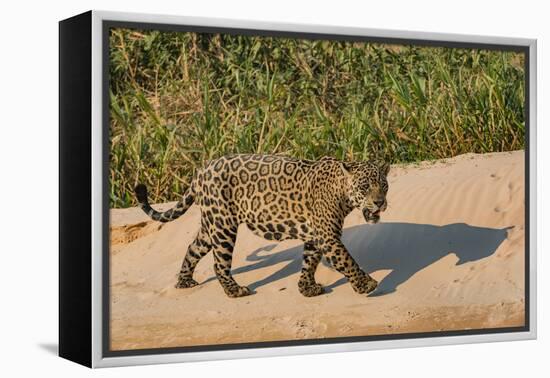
[179,99]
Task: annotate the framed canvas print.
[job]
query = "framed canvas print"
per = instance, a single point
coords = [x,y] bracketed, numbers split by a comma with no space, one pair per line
[233,189]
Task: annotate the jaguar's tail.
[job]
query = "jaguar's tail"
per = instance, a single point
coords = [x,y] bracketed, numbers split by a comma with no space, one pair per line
[169,215]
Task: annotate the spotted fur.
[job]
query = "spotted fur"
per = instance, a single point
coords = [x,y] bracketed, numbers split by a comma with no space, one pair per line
[279,198]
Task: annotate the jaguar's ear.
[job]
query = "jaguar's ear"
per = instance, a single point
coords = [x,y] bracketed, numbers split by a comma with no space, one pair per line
[346,165]
[385,168]
[346,168]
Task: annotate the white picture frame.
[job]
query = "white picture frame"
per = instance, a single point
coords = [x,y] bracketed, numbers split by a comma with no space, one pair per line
[97,22]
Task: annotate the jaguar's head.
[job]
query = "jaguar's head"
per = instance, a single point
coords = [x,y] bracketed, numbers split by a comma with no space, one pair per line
[367,187]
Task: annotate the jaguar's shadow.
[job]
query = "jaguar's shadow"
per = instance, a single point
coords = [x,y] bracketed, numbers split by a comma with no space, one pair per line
[403,248]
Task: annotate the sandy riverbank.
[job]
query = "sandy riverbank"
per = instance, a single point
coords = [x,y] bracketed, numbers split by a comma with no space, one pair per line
[449,254]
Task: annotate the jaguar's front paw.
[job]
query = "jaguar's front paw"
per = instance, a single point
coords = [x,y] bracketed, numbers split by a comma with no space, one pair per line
[365,285]
[311,290]
[185,282]
[238,291]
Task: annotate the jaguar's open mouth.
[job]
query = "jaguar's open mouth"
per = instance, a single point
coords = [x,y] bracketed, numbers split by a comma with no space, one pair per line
[371,216]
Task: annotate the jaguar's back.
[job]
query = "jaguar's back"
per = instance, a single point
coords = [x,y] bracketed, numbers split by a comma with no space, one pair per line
[267,192]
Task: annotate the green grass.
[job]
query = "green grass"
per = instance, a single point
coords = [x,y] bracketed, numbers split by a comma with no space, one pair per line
[179,99]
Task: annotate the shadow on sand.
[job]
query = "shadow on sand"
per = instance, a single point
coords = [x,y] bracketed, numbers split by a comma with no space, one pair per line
[403,248]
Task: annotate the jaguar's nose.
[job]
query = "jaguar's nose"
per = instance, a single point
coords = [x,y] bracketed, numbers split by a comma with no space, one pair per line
[379,203]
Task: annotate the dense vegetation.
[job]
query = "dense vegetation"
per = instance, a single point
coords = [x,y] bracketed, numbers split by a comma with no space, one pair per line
[179,99]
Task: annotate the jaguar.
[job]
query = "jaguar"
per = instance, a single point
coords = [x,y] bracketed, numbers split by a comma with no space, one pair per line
[278,198]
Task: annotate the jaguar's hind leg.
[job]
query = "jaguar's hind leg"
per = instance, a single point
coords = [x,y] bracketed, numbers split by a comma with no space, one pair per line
[196,251]
[307,285]
[223,242]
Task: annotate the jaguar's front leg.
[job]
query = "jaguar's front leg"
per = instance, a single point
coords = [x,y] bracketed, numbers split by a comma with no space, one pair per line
[340,259]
